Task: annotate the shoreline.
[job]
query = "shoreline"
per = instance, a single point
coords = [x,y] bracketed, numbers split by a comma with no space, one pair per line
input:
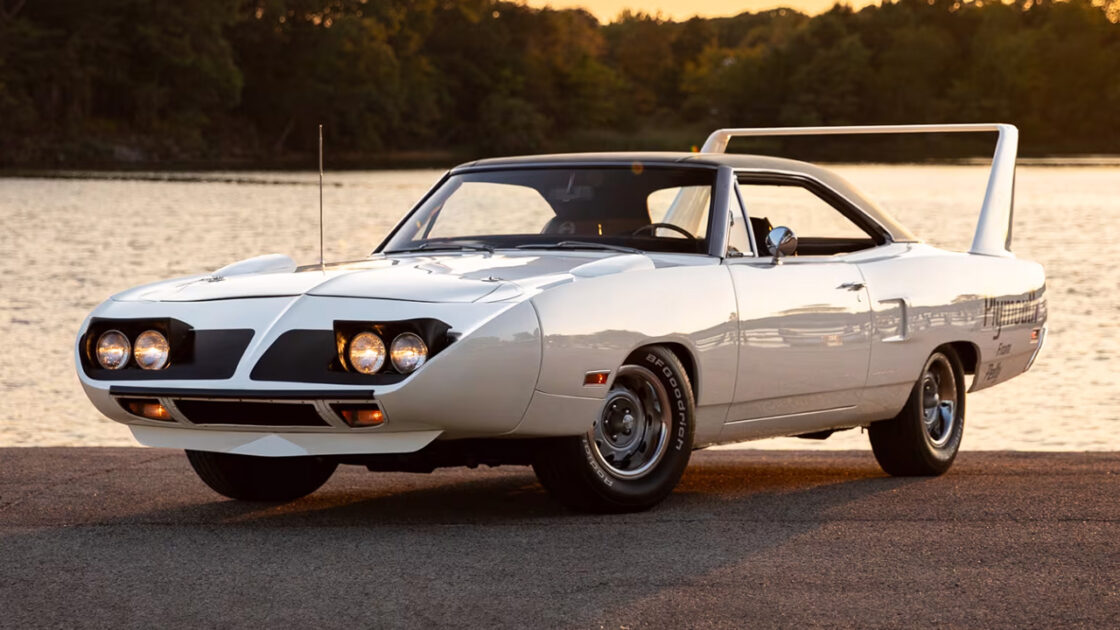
[218,174]
[199,171]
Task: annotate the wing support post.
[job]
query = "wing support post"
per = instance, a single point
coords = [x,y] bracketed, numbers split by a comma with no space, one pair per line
[993,228]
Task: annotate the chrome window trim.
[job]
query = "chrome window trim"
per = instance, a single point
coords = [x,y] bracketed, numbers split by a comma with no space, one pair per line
[722,173]
[750,228]
[799,178]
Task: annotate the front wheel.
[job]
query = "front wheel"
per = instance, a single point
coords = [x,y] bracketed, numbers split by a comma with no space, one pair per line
[638,448]
[923,439]
[249,478]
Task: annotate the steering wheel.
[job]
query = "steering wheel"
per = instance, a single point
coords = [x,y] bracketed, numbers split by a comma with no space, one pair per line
[668,226]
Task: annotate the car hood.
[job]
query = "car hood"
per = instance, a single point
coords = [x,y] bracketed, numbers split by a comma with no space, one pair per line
[429,278]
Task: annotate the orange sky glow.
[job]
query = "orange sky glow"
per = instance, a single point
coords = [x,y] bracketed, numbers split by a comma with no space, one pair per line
[608,10]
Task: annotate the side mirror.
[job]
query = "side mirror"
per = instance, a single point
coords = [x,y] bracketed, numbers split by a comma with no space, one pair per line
[781,241]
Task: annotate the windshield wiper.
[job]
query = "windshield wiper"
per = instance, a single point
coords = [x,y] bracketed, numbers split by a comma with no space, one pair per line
[445,246]
[581,245]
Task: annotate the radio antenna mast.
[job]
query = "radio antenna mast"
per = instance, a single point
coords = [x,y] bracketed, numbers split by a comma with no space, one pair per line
[322,261]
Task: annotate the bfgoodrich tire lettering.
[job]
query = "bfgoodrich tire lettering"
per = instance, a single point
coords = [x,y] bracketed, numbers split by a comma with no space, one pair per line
[640,445]
[249,478]
[923,439]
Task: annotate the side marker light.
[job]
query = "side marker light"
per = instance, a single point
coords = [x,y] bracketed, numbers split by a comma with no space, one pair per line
[596,378]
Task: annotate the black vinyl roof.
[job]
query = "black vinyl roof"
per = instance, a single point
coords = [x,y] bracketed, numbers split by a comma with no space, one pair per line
[739,161]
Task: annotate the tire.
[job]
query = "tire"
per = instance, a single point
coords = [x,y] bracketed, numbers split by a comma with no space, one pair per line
[607,470]
[248,478]
[923,439]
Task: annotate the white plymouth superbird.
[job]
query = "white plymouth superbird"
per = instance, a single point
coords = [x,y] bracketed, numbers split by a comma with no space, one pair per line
[596,316]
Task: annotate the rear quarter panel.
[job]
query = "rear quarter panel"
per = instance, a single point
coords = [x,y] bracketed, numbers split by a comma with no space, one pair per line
[923,298]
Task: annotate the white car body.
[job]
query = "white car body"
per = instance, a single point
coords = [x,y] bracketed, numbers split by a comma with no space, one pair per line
[813,344]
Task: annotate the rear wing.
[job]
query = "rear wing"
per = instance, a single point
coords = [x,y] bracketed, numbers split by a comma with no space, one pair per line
[993,229]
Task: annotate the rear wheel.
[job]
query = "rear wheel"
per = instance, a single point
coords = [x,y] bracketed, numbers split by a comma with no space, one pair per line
[249,478]
[923,439]
[638,448]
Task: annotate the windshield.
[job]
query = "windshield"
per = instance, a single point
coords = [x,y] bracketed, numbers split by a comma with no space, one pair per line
[660,209]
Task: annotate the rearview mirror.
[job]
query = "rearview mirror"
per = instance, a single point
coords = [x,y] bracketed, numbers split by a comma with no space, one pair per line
[781,241]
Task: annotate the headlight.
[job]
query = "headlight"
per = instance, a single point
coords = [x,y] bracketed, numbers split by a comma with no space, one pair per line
[151,350]
[367,353]
[408,352]
[113,350]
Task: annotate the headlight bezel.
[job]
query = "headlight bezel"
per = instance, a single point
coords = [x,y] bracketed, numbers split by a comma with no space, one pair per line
[180,338]
[432,333]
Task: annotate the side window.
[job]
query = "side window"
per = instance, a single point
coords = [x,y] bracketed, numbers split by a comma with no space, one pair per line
[738,236]
[821,229]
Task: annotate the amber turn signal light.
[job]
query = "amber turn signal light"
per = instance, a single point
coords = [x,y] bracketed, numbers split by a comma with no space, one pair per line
[362,417]
[149,409]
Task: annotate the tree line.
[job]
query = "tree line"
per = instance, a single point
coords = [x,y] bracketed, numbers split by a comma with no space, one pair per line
[166,82]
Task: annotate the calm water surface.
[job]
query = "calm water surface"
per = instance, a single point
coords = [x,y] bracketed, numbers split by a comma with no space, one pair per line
[67,244]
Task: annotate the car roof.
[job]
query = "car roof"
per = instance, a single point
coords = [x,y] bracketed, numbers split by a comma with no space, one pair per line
[738,161]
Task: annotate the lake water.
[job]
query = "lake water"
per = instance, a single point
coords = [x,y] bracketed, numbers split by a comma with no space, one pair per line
[67,244]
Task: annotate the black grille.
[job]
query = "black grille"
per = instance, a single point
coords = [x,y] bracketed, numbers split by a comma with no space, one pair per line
[263,414]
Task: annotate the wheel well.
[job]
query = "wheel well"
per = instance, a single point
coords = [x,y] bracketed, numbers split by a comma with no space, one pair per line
[968,354]
[684,356]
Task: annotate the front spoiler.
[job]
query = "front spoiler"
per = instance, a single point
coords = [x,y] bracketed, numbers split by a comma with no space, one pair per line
[274,444]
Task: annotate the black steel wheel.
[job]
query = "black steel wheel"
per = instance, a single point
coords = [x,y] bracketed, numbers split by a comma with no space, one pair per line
[639,446]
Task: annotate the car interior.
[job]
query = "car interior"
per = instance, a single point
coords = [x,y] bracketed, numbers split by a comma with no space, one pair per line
[822,227]
[605,206]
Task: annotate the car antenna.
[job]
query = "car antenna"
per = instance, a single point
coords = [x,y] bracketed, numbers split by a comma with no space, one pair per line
[322,261]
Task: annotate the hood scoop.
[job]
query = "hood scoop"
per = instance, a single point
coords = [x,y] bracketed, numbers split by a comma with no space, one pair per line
[613,265]
[269,263]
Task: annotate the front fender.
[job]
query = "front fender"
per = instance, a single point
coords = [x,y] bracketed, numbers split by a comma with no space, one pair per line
[594,324]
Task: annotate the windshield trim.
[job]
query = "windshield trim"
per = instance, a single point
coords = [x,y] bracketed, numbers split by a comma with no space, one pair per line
[717,211]
[549,165]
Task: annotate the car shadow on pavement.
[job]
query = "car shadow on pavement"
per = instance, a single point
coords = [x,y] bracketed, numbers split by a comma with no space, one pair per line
[715,485]
[456,547]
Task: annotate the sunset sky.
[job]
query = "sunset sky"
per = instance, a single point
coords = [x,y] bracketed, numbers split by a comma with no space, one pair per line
[607,10]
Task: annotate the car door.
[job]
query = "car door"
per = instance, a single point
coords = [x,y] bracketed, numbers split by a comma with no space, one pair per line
[804,322]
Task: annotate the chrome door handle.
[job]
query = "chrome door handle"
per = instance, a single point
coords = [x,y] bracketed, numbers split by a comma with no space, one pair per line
[852,286]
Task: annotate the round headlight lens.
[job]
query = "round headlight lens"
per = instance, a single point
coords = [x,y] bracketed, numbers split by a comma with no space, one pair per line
[367,353]
[151,350]
[408,352]
[113,350]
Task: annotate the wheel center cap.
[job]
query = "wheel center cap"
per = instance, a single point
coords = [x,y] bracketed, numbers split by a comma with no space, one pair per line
[620,425]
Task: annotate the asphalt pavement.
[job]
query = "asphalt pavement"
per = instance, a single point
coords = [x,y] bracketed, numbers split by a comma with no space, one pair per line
[102,537]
